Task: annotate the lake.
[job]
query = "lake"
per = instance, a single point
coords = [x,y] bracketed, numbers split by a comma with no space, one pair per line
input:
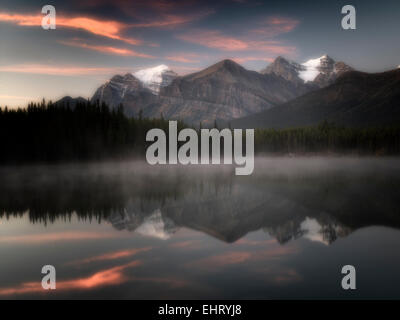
[128,230]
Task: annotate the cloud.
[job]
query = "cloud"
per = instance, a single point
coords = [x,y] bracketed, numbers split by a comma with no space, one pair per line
[274,26]
[258,39]
[110,256]
[107,277]
[109,29]
[58,70]
[217,40]
[188,244]
[240,257]
[184,57]
[172,20]
[214,39]
[107,49]
[51,237]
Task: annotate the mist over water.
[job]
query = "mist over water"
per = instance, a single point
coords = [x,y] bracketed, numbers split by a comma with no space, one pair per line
[200,231]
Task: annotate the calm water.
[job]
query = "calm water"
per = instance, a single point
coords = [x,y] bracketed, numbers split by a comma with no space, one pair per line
[128,230]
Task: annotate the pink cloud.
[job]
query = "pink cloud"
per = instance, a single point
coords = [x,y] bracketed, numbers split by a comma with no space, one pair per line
[217,40]
[107,49]
[274,26]
[252,40]
[184,57]
[110,256]
[51,237]
[240,257]
[189,244]
[172,19]
[58,70]
[214,39]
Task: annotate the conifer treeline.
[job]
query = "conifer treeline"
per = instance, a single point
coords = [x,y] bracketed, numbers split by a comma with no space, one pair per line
[328,137]
[50,132]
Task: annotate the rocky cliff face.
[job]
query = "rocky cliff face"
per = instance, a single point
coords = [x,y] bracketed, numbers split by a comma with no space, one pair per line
[286,69]
[126,90]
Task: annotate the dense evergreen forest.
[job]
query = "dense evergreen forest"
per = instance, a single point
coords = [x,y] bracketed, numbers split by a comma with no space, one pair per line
[50,132]
[330,138]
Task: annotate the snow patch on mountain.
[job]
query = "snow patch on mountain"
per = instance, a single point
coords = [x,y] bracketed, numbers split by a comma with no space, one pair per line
[156,226]
[156,77]
[313,230]
[311,69]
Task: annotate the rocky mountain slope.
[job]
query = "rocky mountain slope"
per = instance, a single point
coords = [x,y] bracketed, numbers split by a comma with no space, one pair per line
[222,92]
[355,99]
[126,90]
[318,72]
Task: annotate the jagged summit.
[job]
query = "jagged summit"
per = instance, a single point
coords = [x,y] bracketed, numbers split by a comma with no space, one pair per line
[225,66]
[321,71]
[284,68]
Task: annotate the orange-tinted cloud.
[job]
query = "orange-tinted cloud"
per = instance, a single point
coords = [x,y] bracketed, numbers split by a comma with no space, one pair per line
[274,26]
[171,20]
[61,70]
[214,39]
[217,40]
[111,256]
[51,237]
[107,49]
[108,277]
[108,29]
[189,244]
[272,47]
[225,259]
[239,257]
[184,57]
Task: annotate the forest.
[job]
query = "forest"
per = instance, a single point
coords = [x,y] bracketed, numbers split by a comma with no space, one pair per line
[48,132]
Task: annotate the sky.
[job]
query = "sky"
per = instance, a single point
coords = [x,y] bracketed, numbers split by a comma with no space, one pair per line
[96,39]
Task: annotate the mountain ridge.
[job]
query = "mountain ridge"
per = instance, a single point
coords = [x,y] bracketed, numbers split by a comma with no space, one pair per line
[355,99]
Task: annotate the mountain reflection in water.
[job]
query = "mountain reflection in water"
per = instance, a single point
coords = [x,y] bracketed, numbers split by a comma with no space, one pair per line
[315,199]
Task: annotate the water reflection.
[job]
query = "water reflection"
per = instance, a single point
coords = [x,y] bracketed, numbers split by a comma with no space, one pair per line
[169,228]
[289,202]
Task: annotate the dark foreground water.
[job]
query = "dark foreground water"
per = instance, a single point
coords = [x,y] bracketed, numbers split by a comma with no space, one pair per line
[129,230]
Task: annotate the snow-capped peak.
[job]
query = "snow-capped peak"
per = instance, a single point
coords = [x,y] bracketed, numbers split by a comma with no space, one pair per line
[156,77]
[311,68]
[151,74]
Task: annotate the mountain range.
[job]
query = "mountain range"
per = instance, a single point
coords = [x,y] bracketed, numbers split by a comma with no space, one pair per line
[319,72]
[227,92]
[355,99]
